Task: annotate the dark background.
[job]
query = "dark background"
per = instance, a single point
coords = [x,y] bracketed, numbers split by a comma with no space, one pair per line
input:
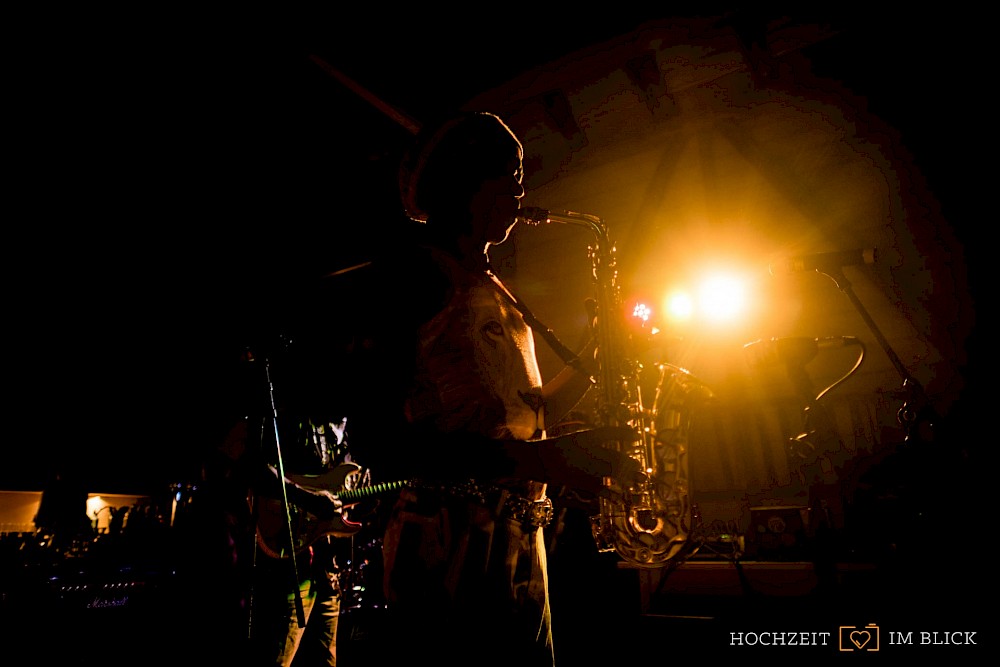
[176,173]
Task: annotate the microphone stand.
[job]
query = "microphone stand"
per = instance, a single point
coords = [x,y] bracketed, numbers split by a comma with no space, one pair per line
[905,480]
[300,613]
[252,358]
[915,403]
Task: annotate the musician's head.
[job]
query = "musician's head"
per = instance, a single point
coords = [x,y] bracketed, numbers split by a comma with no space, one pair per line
[465,174]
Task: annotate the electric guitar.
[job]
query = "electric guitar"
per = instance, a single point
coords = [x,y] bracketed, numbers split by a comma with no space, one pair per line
[340,485]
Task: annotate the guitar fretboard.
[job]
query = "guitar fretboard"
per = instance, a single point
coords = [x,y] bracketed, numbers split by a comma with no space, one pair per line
[371,490]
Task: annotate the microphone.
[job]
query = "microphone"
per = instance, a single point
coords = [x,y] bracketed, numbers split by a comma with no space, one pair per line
[825,261]
[798,351]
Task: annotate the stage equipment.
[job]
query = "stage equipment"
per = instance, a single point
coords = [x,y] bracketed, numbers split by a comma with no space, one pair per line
[794,353]
[915,416]
[778,533]
[285,508]
[647,522]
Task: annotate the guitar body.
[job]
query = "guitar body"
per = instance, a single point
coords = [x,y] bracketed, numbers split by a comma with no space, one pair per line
[306,528]
[272,531]
[337,480]
[341,483]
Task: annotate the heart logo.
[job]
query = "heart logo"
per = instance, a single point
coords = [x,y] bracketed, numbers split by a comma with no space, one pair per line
[860,637]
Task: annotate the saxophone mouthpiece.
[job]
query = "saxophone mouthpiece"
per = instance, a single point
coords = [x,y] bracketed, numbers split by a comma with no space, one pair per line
[533,215]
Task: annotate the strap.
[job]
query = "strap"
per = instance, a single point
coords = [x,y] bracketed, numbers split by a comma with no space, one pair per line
[567,355]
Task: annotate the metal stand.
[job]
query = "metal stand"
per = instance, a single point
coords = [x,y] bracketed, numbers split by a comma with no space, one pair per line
[915,410]
[299,607]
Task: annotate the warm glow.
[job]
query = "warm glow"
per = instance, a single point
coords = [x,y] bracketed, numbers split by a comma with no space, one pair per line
[680,306]
[722,298]
[717,299]
[94,505]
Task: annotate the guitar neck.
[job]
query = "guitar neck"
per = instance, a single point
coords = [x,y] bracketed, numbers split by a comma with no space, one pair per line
[371,490]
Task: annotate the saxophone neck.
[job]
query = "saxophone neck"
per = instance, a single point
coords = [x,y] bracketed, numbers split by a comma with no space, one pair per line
[534,216]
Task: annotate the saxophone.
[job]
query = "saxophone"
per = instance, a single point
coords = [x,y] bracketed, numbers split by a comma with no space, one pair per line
[646,521]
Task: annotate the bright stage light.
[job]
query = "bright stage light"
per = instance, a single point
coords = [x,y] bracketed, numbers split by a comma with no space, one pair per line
[680,306]
[642,312]
[717,299]
[722,298]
